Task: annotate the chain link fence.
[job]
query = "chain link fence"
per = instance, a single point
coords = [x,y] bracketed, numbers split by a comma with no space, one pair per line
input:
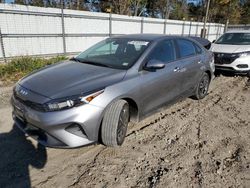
[37,31]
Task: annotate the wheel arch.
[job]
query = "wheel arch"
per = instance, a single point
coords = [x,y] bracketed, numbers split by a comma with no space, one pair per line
[133,109]
[133,112]
[209,74]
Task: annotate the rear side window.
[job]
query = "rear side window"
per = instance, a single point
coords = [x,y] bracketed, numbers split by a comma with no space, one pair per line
[186,48]
[164,52]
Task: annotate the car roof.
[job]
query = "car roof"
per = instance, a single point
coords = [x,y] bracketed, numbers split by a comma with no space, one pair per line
[145,36]
[152,37]
[238,31]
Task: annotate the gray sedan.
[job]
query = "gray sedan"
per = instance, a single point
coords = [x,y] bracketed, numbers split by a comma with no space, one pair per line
[92,97]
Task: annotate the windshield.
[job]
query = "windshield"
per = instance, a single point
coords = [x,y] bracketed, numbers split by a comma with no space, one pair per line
[119,53]
[234,39]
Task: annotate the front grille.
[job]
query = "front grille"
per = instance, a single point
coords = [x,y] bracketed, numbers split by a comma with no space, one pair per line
[33,105]
[225,58]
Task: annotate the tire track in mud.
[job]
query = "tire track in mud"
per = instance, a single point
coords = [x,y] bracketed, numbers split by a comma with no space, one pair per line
[92,164]
[216,99]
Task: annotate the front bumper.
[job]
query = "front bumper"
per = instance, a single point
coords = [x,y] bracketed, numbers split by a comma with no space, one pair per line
[64,129]
[238,66]
[231,70]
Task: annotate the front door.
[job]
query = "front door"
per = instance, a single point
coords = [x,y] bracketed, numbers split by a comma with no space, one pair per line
[161,86]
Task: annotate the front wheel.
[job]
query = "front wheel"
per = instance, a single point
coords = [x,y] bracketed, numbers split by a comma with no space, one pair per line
[115,123]
[202,87]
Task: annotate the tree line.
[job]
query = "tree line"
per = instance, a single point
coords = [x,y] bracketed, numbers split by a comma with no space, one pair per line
[236,11]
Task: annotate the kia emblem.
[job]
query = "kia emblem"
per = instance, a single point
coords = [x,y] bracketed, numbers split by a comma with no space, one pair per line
[23,92]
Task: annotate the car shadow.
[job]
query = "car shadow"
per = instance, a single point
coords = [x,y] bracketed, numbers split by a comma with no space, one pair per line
[16,154]
[227,74]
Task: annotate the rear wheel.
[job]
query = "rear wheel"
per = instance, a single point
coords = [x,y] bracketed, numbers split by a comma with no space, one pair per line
[202,88]
[115,123]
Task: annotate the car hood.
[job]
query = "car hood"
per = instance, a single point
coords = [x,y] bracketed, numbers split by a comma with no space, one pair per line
[225,48]
[70,78]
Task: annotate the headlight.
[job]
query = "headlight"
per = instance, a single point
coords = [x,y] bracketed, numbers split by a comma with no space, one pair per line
[244,54]
[69,102]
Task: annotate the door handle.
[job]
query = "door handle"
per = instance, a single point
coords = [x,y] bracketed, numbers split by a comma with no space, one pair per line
[177,69]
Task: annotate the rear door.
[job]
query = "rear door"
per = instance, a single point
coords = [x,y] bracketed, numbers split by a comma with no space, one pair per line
[190,55]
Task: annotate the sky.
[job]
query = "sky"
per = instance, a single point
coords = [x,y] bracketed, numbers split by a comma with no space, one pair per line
[9,1]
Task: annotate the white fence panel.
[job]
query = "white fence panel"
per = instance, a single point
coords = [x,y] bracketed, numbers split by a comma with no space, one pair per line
[29,30]
[78,44]
[125,24]
[152,25]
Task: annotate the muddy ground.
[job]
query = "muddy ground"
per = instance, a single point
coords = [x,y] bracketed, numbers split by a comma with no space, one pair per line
[191,144]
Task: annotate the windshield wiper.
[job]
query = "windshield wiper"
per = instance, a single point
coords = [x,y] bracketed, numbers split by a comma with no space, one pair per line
[89,62]
[94,63]
[75,59]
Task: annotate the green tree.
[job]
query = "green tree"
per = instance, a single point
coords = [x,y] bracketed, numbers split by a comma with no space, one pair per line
[38,3]
[164,7]
[20,2]
[137,6]
[245,14]
[196,12]
[180,10]
[223,10]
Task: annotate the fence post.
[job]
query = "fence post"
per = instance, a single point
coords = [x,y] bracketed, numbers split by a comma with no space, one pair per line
[165,25]
[190,26]
[183,26]
[63,28]
[208,30]
[197,28]
[142,22]
[110,24]
[2,46]
[217,33]
[226,26]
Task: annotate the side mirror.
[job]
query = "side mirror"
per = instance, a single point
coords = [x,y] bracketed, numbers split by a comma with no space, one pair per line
[153,65]
[213,41]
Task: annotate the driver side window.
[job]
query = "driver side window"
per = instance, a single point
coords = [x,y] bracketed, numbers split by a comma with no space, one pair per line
[164,52]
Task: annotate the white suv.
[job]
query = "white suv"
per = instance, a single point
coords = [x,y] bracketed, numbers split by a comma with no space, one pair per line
[232,52]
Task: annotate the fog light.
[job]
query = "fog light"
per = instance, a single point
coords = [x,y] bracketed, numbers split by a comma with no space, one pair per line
[242,66]
[76,129]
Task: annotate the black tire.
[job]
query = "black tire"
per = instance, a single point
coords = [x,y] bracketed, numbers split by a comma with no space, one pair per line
[248,80]
[115,123]
[202,87]
[248,74]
